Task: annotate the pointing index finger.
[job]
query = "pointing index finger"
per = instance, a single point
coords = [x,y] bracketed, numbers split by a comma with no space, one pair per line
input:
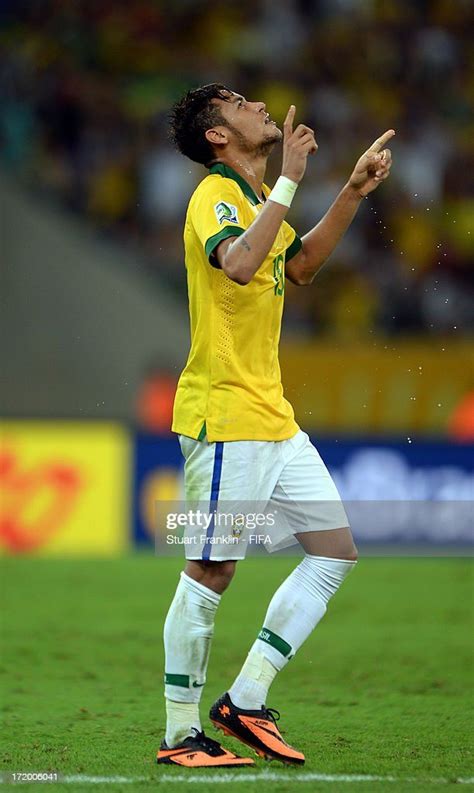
[288,123]
[380,142]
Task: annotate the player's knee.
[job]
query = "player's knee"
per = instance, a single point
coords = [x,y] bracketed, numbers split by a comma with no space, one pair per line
[353,554]
[348,551]
[215,575]
[223,573]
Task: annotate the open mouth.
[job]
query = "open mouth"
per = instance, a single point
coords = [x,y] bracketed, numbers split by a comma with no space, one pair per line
[268,120]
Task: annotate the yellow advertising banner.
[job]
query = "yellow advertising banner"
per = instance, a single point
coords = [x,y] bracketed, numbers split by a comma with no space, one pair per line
[65,488]
[387,388]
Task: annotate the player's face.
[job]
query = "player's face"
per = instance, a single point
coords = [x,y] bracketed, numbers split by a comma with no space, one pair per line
[249,121]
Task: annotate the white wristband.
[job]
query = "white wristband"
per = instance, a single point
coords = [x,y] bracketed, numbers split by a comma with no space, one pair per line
[283,191]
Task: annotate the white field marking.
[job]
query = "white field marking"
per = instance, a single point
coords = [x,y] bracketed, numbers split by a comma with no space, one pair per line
[265,776]
[102,780]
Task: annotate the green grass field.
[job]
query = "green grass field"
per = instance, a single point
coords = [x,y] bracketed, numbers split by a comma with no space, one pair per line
[381,688]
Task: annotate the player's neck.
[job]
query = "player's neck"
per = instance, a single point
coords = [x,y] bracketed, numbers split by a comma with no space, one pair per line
[250,169]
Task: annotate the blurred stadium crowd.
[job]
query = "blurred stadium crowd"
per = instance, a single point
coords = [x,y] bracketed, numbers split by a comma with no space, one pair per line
[87,86]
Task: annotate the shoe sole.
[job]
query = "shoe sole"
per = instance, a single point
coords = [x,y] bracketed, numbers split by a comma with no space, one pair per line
[267,755]
[170,761]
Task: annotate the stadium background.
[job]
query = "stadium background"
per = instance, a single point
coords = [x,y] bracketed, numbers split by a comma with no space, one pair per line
[376,356]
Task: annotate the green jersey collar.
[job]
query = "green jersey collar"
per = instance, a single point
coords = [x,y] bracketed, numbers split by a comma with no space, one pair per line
[228,173]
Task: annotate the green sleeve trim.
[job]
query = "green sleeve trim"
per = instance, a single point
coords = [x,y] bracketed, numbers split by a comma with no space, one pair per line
[224,234]
[266,635]
[293,249]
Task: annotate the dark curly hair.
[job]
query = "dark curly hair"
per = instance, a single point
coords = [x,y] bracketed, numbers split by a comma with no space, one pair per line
[192,116]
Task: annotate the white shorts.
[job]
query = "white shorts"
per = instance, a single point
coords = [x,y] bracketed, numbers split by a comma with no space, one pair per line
[256,493]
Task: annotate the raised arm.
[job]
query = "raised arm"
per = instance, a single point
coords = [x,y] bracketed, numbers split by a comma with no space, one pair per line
[370,170]
[241,257]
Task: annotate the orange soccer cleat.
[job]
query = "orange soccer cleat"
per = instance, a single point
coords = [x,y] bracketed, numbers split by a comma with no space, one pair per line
[199,751]
[256,728]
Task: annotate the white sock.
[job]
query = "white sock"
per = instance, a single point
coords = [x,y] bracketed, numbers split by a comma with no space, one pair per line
[188,631]
[181,719]
[250,688]
[294,611]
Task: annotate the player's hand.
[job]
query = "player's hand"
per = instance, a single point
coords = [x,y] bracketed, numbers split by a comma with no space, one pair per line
[373,167]
[297,145]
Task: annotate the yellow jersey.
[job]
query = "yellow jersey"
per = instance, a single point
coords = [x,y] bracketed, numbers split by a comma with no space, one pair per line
[230,389]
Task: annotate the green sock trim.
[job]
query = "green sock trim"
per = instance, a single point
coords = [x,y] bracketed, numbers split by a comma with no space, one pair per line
[177,680]
[275,641]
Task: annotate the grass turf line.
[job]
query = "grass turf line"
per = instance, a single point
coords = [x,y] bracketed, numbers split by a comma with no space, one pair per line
[379,688]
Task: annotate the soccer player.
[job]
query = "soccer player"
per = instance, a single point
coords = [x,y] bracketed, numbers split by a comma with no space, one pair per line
[237,432]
